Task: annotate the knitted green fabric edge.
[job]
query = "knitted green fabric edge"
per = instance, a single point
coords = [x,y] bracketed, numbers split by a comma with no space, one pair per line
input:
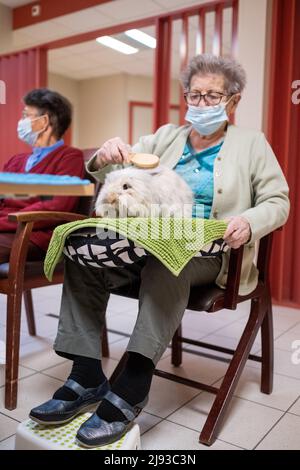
[173,241]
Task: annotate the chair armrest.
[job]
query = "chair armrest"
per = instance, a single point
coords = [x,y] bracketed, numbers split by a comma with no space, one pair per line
[25,221]
[36,216]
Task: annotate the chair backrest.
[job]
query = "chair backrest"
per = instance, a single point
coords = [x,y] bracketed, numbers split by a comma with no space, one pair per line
[86,204]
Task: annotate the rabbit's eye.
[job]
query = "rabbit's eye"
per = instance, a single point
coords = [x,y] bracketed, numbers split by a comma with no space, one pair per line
[125,186]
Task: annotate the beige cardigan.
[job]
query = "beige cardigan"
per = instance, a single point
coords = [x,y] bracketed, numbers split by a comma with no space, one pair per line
[248,181]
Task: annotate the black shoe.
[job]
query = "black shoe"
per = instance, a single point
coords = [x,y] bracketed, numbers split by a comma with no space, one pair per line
[61,411]
[96,432]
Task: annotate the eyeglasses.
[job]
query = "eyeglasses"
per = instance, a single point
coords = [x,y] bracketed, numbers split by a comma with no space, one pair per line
[212,98]
[25,115]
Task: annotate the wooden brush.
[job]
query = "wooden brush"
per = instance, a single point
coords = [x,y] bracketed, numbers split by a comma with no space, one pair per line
[144,160]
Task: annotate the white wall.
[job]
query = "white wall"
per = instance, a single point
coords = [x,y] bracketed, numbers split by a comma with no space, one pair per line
[70,89]
[101,106]
[251,54]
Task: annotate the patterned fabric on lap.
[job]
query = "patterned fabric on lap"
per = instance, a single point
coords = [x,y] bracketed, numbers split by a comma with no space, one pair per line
[111,249]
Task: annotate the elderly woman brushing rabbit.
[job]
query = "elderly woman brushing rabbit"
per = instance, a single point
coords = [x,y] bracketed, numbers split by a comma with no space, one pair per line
[234,175]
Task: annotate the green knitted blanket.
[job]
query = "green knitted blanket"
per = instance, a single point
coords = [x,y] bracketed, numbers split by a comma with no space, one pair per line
[173,241]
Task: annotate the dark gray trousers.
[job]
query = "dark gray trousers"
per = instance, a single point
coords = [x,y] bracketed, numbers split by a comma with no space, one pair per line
[163,298]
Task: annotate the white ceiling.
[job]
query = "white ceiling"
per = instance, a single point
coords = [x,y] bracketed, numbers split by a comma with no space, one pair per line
[90,59]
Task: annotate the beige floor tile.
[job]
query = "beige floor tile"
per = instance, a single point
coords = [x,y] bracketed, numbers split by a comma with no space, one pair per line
[191,333]
[295,408]
[117,349]
[170,436]
[286,311]
[46,306]
[283,364]
[296,328]
[113,337]
[24,337]
[284,321]
[146,421]
[245,424]
[45,326]
[121,304]
[109,365]
[286,340]
[196,368]
[32,391]
[165,397]
[62,371]
[8,426]
[223,341]
[23,372]
[285,390]
[203,323]
[121,323]
[8,444]
[284,436]
[24,327]
[39,354]
[235,330]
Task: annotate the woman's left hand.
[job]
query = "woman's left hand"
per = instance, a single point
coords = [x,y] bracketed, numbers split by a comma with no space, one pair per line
[238,231]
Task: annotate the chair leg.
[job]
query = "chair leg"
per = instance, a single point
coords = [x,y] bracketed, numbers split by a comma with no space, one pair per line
[267,344]
[29,312]
[105,346]
[236,366]
[14,304]
[177,348]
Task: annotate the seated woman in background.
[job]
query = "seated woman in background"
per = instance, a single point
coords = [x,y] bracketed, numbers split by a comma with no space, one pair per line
[45,118]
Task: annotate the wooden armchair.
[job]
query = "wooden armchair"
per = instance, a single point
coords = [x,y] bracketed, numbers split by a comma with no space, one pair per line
[211,298]
[19,276]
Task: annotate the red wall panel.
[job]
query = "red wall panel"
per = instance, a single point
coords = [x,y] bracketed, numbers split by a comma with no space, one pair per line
[20,72]
[283,125]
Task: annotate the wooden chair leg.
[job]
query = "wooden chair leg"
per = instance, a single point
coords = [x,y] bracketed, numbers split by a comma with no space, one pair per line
[14,304]
[105,346]
[29,312]
[236,366]
[177,348]
[267,345]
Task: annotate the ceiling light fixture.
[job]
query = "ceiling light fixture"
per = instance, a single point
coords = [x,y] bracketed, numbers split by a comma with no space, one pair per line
[116,44]
[142,37]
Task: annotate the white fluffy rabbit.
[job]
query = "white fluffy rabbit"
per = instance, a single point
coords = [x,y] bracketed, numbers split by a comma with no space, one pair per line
[133,192]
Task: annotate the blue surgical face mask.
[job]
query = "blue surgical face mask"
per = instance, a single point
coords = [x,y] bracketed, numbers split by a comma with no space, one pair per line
[207,119]
[25,131]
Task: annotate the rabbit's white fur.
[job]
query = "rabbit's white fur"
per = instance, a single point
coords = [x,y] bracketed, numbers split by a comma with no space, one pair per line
[135,192]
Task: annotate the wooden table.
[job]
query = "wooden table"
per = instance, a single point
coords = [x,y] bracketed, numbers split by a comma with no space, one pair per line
[10,189]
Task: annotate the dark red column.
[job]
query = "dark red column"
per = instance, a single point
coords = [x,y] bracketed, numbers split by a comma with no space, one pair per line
[21,72]
[283,125]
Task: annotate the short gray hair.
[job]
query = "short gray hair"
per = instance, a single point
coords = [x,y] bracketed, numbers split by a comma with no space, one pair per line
[202,64]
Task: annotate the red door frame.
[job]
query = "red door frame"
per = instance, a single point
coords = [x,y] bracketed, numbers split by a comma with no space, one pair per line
[282,128]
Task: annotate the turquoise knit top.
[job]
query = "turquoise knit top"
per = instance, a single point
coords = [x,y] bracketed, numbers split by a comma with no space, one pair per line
[197,169]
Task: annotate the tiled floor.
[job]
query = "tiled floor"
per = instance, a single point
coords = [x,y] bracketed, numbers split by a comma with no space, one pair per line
[175,413]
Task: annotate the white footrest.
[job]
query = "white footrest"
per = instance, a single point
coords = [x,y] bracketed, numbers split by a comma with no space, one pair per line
[33,436]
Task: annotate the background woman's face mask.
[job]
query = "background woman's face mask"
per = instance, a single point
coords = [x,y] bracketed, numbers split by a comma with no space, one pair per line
[25,132]
[207,120]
